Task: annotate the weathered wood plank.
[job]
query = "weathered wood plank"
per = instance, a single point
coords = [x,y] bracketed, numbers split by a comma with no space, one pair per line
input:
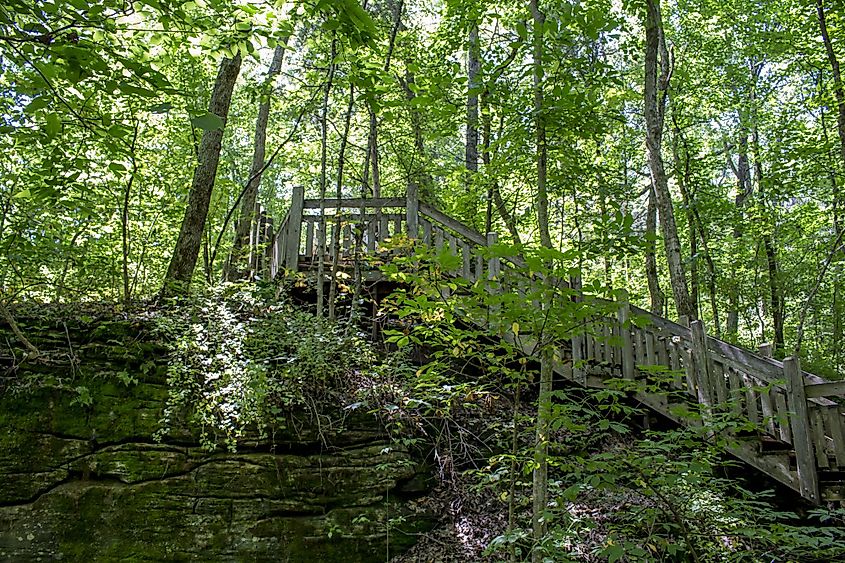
[624,316]
[383,229]
[426,227]
[371,235]
[752,399]
[466,259]
[828,389]
[494,265]
[294,228]
[651,355]
[737,392]
[801,432]
[768,410]
[834,421]
[719,382]
[782,416]
[701,364]
[819,437]
[309,237]
[468,233]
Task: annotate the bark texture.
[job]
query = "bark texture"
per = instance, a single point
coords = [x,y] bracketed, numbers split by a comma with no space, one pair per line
[187,250]
[657,74]
[473,67]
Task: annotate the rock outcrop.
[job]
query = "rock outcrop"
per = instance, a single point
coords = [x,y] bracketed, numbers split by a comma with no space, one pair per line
[82,479]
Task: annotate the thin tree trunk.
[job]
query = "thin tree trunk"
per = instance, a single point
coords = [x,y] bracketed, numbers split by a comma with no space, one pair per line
[540,125]
[324,133]
[494,193]
[656,87]
[839,92]
[838,88]
[372,139]
[744,190]
[540,476]
[187,249]
[697,230]
[341,161]
[656,295]
[473,67]
[540,484]
[776,299]
[236,265]
[124,217]
[682,175]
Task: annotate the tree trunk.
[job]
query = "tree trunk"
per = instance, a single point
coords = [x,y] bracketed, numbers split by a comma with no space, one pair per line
[124,217]
[839,92]
[540,485]
[324,138]
[341,163]
[697,230]
[473,66]
[540,476]
[682,176]
[187,250]
[655,102]
[775,290]
[540,125]
[417,174]
[657,298]
[238,259]
[743,176]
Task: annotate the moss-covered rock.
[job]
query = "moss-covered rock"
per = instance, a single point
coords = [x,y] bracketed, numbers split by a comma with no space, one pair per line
[87,482]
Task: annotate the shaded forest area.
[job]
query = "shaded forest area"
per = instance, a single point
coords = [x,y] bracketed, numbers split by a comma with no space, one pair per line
[691,152]
[687,155]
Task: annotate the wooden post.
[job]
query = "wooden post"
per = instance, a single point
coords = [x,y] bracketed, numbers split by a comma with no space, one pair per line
[765,350]
[802,439]
[625,331]
[494,266]
[268,248]
[701,365]
[294,228]
[412,211]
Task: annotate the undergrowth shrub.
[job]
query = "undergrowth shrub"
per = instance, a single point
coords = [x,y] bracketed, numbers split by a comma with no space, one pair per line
[243,359]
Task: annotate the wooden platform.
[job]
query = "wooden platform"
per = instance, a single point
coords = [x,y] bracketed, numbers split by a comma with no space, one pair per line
[800,440]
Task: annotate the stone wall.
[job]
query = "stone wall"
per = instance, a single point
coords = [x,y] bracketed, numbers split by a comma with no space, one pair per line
[89,483]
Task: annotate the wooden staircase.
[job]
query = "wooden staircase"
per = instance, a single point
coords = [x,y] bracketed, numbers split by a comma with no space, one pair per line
[800,421]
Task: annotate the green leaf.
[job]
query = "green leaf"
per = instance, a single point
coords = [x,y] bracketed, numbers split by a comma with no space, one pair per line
[208,122]
[54,125]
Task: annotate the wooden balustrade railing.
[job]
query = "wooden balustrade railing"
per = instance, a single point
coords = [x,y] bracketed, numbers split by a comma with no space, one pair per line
[790,410]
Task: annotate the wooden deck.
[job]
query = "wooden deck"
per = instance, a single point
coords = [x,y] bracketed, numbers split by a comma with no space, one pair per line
[800,439]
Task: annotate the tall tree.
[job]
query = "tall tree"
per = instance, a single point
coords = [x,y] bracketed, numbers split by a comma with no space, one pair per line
[185,255]
[838,203]
[238,263]
[539,19]
[658,72]
[473,68]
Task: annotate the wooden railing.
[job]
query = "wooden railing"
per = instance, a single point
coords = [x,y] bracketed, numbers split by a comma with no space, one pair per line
[800,431]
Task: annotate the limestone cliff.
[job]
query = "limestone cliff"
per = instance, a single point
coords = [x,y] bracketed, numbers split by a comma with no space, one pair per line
[82,479]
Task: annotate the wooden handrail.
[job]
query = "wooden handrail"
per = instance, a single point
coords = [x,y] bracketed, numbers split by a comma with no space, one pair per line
[355,202]
[467,232]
